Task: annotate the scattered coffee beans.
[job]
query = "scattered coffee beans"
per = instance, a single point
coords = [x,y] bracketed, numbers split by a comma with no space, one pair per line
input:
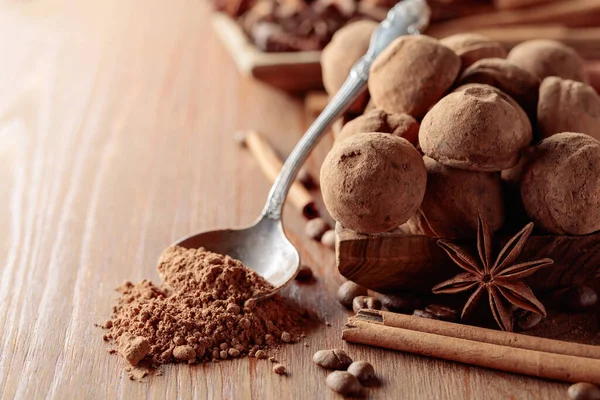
[584,391]
[361,302]
[305,273]
[348,291]
[362,370]
[332,359]
[328,239]
[344,383]
[444,313]
[315,228]
[424,314]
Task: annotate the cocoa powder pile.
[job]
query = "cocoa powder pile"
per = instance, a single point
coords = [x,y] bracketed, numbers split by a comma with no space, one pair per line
[203,311]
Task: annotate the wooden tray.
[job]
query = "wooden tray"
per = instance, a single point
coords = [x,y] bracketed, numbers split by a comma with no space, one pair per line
[396,261]
[292,72]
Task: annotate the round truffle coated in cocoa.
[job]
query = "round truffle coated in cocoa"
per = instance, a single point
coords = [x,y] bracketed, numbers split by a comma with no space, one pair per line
[373,182]
[528,133]
[412,74]
[454,198]
[475,128]
[516,82]
[544,58]
[401,125]
[472,47]
[560,187]
[568,106]
[347,46]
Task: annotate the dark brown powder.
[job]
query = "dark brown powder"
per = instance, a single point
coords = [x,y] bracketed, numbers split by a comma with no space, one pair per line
[203,311]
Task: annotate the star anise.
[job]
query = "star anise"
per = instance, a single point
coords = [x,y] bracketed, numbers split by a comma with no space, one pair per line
[502,279]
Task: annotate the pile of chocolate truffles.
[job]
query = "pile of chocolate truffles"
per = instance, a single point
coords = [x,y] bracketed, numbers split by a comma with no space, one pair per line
[455,128]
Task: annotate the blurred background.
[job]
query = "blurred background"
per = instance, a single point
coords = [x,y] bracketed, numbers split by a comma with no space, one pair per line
[305,27]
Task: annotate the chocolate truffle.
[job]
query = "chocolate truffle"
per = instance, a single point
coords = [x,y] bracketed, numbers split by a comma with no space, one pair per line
[560,187]
[526,139]
[516,82]
[454,198]
[412,74]
[474,128]
[347,46]
[568,106]
[544,58]
[472,47]
[401,125]
[373,182]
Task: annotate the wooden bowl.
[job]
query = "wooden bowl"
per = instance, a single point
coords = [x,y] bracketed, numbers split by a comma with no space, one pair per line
[397,261]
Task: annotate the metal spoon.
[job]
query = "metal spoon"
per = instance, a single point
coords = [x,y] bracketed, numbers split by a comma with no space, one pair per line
[263,246]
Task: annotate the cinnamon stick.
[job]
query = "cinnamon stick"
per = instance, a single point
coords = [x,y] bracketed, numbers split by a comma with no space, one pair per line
[569,13]
[477,334]
[528,362]
[271,165]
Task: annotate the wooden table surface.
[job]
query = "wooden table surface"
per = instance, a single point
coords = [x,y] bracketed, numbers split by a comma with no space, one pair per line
[117,123]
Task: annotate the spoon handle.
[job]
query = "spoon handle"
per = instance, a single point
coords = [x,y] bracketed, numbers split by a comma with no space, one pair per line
[406,17]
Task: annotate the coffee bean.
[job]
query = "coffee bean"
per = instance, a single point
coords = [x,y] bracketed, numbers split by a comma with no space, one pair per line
[424,314]
[332,359]
[361,302]
[328,239]
[584,391]
[304,274]
[348,291]
[362,370]
[344,383]
[405,302]
[444,313]
[315,228]
[526,319]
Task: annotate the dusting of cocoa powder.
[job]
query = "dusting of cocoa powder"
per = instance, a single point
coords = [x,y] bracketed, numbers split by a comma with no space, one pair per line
[204,310]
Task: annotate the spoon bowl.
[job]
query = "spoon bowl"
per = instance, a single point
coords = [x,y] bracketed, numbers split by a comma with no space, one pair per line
[262,247]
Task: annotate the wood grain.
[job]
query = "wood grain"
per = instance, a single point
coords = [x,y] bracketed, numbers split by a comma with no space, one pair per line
[116,138]
[397,261]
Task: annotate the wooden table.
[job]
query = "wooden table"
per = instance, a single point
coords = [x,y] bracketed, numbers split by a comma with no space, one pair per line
[117,123]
